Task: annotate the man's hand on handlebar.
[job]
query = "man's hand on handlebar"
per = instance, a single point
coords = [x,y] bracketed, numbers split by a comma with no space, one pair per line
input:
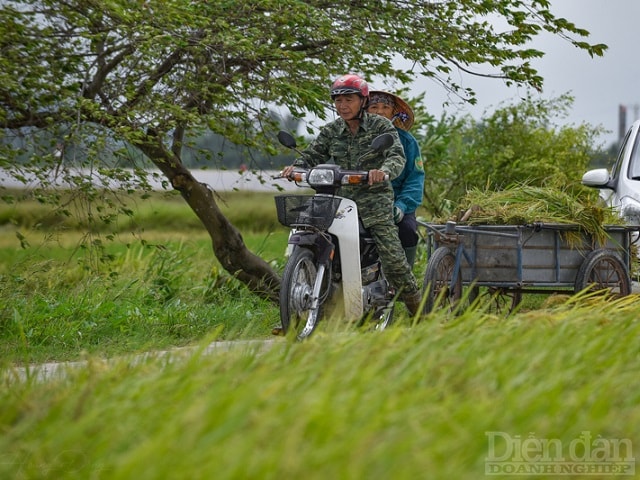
[376,176]
[287,171]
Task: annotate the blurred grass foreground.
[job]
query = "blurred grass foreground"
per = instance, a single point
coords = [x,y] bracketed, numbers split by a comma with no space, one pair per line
[405,403]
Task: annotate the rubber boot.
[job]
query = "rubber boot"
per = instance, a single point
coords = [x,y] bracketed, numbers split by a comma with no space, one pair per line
[410,253]
[412,301]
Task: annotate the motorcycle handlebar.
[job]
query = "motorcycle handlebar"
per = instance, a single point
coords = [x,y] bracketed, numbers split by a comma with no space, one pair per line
[349,177]
[358,177]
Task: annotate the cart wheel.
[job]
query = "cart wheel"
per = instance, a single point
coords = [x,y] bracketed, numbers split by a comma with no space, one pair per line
[501,301]
[603,270]
[436,287]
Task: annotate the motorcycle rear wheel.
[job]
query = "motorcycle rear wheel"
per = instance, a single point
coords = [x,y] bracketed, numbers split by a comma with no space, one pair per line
[296,290]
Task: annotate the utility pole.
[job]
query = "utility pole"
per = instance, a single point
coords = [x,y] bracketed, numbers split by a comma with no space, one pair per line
[622,121]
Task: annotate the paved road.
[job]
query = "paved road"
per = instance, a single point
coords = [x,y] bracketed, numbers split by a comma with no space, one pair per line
[53,370]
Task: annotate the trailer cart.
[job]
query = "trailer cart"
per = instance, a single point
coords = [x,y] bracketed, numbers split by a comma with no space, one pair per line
[506,261]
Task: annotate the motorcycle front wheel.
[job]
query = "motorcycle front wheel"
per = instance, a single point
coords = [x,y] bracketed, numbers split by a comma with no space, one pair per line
[296,294]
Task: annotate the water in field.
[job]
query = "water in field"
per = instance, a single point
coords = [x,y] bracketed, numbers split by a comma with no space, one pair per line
[218,180]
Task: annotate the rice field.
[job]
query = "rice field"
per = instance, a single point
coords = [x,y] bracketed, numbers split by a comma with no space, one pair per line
[551,390]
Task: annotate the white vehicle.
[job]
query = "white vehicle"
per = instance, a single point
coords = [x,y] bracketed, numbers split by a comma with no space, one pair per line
[332,262]
[621,189]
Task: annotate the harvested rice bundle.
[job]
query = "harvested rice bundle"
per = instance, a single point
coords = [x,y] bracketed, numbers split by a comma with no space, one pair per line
[527,204]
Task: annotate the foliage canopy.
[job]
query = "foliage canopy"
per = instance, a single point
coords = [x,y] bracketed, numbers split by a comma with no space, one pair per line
[134,66]
[514,145]
[147,73]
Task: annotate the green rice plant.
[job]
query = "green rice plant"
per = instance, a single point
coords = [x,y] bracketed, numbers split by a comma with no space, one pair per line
[404,403]
[138,212]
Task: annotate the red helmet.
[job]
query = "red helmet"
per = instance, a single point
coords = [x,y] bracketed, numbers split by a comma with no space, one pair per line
[350,83]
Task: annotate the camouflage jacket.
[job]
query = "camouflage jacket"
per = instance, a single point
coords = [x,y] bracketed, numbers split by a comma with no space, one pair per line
[335,144]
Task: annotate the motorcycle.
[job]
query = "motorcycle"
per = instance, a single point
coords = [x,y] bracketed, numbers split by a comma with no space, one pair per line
[333,263]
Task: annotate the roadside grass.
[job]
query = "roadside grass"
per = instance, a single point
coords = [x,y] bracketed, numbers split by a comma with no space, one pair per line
[67,292]
[405,403]
[146,297]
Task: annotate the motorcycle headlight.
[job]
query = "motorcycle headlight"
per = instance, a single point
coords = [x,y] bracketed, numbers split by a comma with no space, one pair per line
[321,176]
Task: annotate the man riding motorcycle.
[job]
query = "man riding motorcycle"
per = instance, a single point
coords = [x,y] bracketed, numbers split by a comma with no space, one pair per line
[344,141]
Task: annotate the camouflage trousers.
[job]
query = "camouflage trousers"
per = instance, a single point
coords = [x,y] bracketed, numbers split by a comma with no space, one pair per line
[393,258]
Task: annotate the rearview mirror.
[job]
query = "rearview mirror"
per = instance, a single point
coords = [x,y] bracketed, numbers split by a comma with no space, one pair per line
[598,178]
[286,139]
[382,142]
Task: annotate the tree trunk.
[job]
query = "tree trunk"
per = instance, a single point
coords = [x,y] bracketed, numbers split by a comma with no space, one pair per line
[228,245]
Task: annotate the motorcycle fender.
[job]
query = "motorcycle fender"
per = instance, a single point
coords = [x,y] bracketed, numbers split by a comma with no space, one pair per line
[302,238]
[345,227]
[289,249]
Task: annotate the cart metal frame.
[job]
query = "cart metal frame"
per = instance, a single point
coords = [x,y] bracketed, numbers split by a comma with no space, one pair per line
[505,261]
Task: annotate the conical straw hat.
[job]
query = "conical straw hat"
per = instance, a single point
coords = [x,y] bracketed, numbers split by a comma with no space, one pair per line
[402,113]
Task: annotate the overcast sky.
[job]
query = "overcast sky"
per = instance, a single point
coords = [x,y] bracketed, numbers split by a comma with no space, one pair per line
[599,84]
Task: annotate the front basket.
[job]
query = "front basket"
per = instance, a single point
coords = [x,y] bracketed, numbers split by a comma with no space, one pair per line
[306,210]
